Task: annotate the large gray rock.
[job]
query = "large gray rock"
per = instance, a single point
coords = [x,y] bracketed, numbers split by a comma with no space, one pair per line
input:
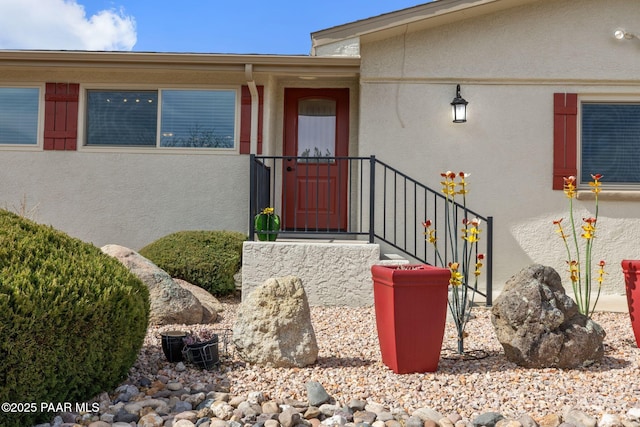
[539,325]
[273,325]
[170,303]
[210,305]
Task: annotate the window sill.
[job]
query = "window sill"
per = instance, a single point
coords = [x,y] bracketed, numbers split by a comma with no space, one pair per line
[615,195]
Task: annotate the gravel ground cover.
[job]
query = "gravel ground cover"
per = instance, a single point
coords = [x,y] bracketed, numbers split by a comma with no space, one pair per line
[350,367]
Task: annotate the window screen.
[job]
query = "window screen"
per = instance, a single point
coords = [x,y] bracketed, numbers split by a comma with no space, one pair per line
[19,115]
[126,118]
[610,137]
[198,118]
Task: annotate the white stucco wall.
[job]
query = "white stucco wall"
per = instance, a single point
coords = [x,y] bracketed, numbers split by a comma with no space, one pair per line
[127,199]
[509,65]
[333,274]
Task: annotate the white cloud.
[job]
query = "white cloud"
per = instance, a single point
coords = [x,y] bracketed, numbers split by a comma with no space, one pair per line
[63,25]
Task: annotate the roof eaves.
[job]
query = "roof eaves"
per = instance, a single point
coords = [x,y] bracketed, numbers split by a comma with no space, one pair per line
[91,59]
[427,11]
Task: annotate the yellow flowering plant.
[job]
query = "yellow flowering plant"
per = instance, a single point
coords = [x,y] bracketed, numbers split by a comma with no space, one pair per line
[461,248]
[580,270]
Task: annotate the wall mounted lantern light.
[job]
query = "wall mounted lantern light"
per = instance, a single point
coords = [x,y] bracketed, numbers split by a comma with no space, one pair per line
[459,107]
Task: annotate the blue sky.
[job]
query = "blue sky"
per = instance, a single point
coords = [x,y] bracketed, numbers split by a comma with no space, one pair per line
[222,26]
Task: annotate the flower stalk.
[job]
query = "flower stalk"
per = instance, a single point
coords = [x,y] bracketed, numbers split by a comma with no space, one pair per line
[461,247]
[580,273]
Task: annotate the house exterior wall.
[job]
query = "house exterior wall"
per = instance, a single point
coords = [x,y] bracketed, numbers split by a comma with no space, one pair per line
[133,196]
[509,65]
[121,195]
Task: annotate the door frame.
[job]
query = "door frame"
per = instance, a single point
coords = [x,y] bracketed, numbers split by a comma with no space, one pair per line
[291,214]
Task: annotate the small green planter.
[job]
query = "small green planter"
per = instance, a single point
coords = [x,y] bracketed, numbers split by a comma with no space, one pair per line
[267,222]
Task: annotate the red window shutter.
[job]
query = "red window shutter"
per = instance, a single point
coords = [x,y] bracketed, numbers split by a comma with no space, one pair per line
[565,141]
[245,119]
[61,116]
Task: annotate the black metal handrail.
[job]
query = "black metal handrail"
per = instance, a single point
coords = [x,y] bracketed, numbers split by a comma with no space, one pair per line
[371,200]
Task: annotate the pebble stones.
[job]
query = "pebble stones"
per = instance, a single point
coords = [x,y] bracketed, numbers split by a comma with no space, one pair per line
[189,405]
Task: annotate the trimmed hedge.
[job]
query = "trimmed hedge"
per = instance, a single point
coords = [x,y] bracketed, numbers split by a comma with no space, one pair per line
[208,259]
[72,319]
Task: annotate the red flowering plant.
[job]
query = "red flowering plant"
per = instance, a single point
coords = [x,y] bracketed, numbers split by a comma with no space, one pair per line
[581,270]
[462,249]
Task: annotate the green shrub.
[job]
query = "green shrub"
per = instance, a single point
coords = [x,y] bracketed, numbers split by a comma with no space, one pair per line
[72,319]
[208,259]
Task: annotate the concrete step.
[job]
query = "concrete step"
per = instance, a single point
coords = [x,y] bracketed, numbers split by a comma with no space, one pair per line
[393,259]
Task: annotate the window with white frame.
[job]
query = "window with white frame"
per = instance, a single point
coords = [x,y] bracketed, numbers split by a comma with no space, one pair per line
[19,115]
[182,118]
[610,142]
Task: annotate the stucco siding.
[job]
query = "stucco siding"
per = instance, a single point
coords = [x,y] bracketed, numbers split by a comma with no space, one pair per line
[509,65]
[127,199]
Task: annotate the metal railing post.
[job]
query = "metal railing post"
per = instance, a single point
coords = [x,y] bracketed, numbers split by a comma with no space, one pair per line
[252,195]
[489,302]
[372,198]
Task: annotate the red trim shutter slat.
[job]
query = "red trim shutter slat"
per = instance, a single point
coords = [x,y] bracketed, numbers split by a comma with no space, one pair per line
[61,116]
[565,140]
[245,119]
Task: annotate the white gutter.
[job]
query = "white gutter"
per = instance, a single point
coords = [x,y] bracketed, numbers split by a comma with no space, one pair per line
[255,99]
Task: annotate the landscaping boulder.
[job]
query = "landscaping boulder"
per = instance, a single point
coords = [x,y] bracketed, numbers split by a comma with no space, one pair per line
[273,325]
[210,305]
[539,325]
[170,303]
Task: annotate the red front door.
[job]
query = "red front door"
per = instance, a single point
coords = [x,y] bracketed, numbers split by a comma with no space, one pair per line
[316,132]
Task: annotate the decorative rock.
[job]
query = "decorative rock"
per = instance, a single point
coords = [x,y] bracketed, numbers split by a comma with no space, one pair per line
[550,420]
[445,422]
[385,416]
[316,394]
[527,421]
[364,417]
[539,326]
[271,423]
[222,410]
[210,305]
[311,412]
[394,423]
[376,408]
[151,420]
[357,405]
[100,424]
[579,419]
[270,407]
[414,421]
[336,420]
[328,410]
[488,419]
[182,406]
[125,417]
[430,423]
[183,423]
[633,414]
[427,414]
[170,303]
[273,325]
[610,420]
[186,415]
[256,398]
[289,417]
[508,423]
[174,386]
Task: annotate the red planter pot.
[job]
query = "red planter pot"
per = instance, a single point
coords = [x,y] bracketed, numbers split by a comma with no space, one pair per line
[411,312]
[631,270]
